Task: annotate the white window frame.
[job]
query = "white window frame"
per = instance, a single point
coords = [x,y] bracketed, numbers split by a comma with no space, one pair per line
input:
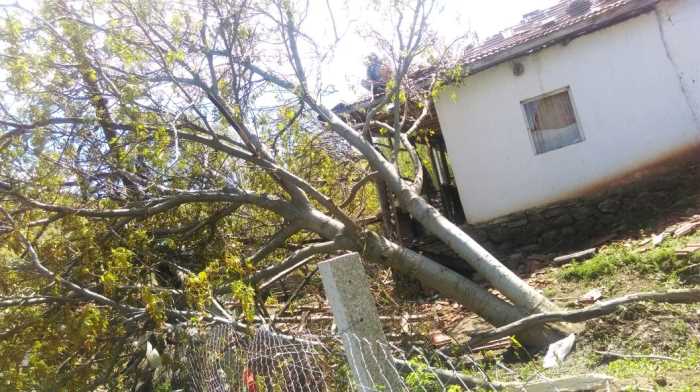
[530,132]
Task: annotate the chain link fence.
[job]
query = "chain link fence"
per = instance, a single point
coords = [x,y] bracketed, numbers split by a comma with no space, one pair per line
[222,359]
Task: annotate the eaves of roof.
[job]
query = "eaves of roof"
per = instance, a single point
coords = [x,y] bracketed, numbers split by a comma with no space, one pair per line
[557,30]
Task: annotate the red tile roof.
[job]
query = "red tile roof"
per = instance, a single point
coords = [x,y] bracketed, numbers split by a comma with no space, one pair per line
[572,17]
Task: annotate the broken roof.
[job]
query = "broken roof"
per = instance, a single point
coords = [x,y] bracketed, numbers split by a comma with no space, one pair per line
[541,28]
[538,29]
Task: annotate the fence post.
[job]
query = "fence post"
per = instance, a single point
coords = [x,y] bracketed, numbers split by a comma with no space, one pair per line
[355,314]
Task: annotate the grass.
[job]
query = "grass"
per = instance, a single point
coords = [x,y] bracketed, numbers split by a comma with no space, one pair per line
[618,256]
[689,358]
[620,268]
[662,372]
[662,329]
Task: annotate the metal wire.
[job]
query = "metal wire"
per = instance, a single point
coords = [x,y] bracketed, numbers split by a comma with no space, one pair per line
[221,359]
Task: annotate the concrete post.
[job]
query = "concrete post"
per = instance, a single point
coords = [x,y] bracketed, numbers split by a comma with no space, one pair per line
[355,314]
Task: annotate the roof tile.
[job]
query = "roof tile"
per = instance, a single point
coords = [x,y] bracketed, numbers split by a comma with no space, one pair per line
[541,23]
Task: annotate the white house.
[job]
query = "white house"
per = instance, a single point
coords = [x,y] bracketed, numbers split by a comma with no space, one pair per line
[576,97]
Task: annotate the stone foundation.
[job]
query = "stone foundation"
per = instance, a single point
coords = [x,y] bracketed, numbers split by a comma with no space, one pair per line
[579,221]
[537,235]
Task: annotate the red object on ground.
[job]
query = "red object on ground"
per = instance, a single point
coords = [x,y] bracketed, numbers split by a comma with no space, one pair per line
[249,380]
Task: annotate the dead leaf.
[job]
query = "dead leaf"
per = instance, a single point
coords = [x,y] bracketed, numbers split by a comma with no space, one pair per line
[440,339]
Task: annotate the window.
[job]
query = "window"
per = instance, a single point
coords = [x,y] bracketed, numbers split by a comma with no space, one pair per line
[551,120]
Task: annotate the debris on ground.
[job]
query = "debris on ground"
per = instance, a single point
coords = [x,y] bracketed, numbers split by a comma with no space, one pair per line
[440,339]
[689,274]
[657,239]
[688,249]
[631,335]
[591,297]
[497,344]
[607,356]
[687,227]
[558,351]
[581,255]
[587,382]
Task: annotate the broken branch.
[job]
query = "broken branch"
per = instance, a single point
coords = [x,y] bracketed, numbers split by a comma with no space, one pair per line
[577,316]
[635,356]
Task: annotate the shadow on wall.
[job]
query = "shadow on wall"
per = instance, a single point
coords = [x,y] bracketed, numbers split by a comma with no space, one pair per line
[636,200]
[654,167]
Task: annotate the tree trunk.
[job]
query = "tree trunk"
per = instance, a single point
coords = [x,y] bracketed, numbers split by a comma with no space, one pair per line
[447,282]
[455,286]
[502,278]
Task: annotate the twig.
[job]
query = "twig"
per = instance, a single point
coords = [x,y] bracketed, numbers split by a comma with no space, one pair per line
[292,297]
[293,262]
[577,316]
[495,345]
[297,317]
[47,273]
[636,356]
[356,188]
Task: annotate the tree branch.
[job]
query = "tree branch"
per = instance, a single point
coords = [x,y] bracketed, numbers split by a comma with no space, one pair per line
[577,316]
[188,230]
[292,262]
[86,293]
[278,239]
[356,188]
[167,203]
[31,301]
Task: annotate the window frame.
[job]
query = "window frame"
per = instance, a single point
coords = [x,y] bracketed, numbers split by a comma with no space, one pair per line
[531,136]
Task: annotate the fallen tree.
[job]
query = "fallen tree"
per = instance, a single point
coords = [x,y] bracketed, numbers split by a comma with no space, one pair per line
[159,162]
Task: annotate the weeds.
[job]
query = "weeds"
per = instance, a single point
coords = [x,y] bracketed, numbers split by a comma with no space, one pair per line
[424,380]
[659,259]
[689,359]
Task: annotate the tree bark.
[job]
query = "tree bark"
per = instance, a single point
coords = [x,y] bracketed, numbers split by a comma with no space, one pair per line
[455,286]
[378,249]
[514,288]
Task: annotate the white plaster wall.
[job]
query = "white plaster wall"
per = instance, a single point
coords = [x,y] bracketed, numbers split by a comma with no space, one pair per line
[629,103]
[680,29]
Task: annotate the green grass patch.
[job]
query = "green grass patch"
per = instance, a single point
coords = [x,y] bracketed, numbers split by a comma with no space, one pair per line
[616,256]
[689,358]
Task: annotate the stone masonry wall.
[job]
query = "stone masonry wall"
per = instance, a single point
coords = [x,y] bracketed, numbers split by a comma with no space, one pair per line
[573,222]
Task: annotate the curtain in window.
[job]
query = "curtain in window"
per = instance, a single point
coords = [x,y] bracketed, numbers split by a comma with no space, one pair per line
[552,122]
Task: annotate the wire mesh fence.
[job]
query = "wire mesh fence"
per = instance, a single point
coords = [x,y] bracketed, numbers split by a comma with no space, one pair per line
[222,359]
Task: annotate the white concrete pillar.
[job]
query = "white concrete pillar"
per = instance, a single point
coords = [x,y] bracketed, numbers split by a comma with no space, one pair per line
[355,314]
